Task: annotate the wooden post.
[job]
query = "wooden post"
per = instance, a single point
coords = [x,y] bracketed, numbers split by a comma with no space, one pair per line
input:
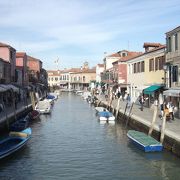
[125,109]
[163,127]
[153,120]
[129,115]
[117,107]
[14,105]
[32,99]
[98,103]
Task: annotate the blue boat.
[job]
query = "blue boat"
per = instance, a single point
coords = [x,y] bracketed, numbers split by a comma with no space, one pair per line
[20,124]
[106,116]
[144,142]
[14,142]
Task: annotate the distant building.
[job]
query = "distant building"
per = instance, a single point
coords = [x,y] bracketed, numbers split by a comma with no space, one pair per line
[99,71]
[8,54]
[53,78]
[21,68]
[34,68]
[80,79]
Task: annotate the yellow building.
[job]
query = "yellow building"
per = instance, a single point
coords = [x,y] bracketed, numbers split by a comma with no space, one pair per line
[145,72]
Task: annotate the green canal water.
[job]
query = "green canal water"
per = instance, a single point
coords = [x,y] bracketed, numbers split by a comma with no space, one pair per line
[70,144]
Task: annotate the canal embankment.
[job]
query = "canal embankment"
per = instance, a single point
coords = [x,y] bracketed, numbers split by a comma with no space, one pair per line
[141,121]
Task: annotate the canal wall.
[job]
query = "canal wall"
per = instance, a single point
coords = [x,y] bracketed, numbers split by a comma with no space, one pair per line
[10,117]
[171,139]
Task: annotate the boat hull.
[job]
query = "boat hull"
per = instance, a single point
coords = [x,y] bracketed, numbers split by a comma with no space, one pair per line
[139,137]
[13,143]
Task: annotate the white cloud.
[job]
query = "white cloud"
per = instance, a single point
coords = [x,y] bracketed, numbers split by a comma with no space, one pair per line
[89,25]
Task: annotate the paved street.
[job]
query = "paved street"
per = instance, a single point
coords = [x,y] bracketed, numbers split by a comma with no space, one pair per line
[146,116]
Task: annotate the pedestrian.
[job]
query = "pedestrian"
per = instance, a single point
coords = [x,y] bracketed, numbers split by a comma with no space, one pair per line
[141,101]
[128,98]
[118,94]
[171,110]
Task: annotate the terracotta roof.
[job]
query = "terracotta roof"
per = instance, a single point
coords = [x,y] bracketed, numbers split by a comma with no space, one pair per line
[53,72]
[152,50]
[20,54]
[148,44]
[114,55]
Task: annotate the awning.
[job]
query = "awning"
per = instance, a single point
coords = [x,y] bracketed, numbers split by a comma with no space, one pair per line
[2,89]
[172,92]
[152,89]
[9,87]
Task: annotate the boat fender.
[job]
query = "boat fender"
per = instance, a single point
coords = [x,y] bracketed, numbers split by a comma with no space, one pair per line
[18,134]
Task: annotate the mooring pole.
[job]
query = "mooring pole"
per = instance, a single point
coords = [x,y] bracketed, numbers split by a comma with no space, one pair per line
[153,120]
[129,115]
[163,127]
[117,107]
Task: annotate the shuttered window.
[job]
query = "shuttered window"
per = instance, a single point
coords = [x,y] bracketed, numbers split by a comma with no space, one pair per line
[142,66]
[151,64]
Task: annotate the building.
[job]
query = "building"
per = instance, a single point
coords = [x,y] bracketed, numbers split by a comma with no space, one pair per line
[8,54]
[119,70]
[54,78]
[99,71]
[21,68]
[173,58]
[145,73]
[34,69]
[5,68]
[80,79]
[172,68]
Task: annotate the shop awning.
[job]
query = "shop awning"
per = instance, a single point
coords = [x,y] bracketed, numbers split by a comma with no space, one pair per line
[2,89]
[152,89]
[9,87]
[172,92]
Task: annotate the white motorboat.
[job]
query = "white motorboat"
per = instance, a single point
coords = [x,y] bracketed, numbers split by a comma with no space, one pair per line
[106,116]
[44,106]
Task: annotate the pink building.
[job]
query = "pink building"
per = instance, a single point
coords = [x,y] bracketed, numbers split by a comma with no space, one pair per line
[119,69]
[21,68]
[8,54]
[34,68]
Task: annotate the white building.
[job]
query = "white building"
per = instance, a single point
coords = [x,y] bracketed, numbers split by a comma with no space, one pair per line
[99,70]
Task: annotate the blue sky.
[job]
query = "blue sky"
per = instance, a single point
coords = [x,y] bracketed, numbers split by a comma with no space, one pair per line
[76,31]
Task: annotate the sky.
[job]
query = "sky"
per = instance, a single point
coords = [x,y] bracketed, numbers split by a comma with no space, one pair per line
[75,31]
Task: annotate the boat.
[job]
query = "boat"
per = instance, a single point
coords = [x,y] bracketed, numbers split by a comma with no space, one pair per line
[20,124]
[144,142]
[43,107]
[14,142]
[106,116]
[34,114]
[100,109]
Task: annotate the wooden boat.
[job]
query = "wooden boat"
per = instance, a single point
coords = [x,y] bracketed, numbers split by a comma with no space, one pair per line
[34,114]
[144,142]
[20,124]
[14,142]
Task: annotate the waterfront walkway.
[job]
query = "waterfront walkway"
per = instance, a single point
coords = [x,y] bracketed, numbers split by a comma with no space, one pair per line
[172,127]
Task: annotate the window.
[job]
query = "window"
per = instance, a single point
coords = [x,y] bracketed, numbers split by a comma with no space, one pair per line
[138,67]
[67,77]
[176,41]
[84,78]
[52,79]
[134,68]
[175,73]
[56,78]
[157,60]
[169,44]
[142,66]
[151,64]
[161,62]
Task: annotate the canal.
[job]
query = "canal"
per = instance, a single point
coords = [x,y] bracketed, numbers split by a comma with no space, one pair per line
[70,144]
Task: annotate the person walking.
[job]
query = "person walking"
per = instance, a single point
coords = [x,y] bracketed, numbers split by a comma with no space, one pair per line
[128,98]
[141,101]
[171,110]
